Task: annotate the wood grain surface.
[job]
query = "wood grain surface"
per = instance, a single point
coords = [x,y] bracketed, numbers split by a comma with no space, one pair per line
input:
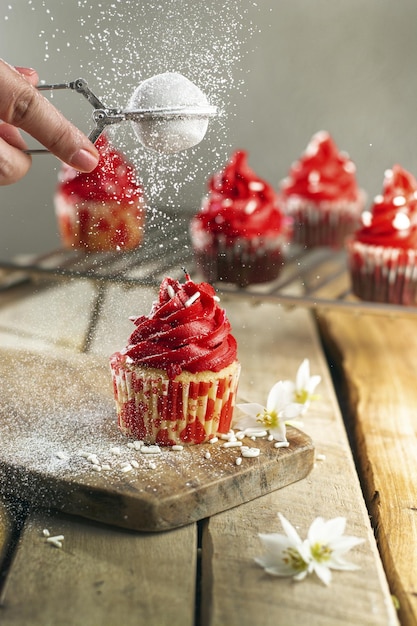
[102,576]
[378,359]
[62,586]
[55,410]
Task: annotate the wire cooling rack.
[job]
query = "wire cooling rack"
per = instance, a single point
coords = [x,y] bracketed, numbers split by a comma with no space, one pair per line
[314,279]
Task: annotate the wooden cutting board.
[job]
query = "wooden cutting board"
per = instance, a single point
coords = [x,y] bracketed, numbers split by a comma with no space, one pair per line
[56,409]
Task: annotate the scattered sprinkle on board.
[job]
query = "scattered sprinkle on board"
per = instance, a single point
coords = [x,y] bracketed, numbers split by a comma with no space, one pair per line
[58,431]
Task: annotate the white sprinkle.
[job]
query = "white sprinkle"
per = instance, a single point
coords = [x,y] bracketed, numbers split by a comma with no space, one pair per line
[192,299]
[85,455]
[152,465]
[207,455]
[96,468]
[270,437]
[230,436]
[61,455]
[320,457]
[232,444]
[46,532]
[399,201]
[216,298]
[238,460]
[56,538]
[150,450]
[116,450]
[56,541]
[126,468]
[251,452]
[93,458]
[281,444]
[138,444]
[131,445]
[214,440]
[401,221]
[134,464]
[240,434]
[255,432]
[106,467]
[177,447]
[170,291]
[255,185]
[253,437]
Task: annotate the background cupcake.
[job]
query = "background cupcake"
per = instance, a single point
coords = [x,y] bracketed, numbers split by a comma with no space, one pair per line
[176,381]
[104,209]
[321,195]
[382,255]
[240,233]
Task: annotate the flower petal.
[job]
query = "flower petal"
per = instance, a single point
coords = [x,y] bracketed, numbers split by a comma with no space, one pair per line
[292,410]
[323,572]
[275,569]
[334,529]
[290,531]
[312,384]
[279,433]
[251,408]
[275,543]
[303,375]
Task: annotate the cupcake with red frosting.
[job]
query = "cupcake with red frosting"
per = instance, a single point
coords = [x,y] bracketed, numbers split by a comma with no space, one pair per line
[176,381]
[104,209]
[322,196]
[382,254]
[240,233]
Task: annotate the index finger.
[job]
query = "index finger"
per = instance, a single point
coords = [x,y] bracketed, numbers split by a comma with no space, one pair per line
[23,106]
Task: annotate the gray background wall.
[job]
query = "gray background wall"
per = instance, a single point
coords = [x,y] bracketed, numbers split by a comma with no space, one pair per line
[279,69]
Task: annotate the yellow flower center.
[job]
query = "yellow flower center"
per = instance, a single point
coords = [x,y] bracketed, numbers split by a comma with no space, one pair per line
[293,558]
[320,552]
[269,419]
[301,396]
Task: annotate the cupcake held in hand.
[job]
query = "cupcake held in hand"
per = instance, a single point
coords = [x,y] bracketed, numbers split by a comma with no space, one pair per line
[382,255]
[322,196]
[240,233]
[176,381]
[104,209]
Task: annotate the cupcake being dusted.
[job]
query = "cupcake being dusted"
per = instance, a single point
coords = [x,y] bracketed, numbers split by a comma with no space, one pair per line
[102,210]
[322,196]
[382,255]
[176,381]
[239,234]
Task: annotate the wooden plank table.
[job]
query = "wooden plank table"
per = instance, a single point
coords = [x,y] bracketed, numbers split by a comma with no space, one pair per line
[203,573]
[377,358]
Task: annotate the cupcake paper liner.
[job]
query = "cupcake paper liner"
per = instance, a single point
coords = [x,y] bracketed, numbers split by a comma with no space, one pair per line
[242,261]
[383,274]
[189,409]
[324,223]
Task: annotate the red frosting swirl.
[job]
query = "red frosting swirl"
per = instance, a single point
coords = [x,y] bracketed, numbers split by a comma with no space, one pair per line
[240,204]
[392,220]
[322,173]
[186,329]
[112,180]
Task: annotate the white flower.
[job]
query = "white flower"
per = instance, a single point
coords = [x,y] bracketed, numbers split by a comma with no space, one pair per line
[279,408]
[323,550]
[305,385]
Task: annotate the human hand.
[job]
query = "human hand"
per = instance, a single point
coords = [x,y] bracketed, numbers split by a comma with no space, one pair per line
[23,106]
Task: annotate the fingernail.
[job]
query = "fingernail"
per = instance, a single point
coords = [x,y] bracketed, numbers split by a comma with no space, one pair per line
[27,71]
[84,160]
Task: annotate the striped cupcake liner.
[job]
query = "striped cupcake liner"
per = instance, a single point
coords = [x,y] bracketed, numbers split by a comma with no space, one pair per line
[383,274]
[156,409]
